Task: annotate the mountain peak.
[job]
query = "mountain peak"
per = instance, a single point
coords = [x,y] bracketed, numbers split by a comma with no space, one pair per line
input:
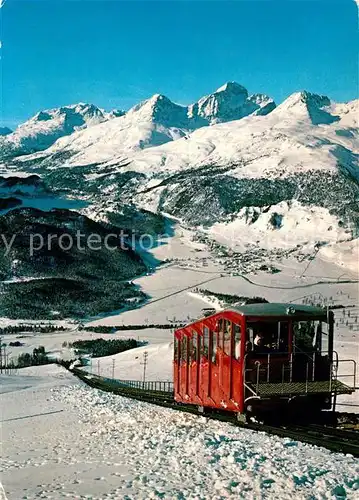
[151,102]
[116,113]
[306,98]
[230,102]
[307,105]
[159,97]
[43,129]
[161,110]
[232,87]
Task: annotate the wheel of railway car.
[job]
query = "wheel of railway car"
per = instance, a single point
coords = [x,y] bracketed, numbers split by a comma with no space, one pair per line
[252,410]
[243,418]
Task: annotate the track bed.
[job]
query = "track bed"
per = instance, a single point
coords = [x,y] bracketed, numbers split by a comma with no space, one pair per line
[333,438]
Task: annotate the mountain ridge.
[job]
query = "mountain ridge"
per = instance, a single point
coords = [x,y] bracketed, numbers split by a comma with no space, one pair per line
[157,120]
[262,174]
[47,126]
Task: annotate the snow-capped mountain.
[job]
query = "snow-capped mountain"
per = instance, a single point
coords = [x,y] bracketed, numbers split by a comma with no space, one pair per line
[243,170]
[157,121]
[43,129]
[230,102]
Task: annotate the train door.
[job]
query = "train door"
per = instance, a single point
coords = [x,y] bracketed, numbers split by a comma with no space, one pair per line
[236,381]
[204,366]
[182,367]
[176,365]
[230,360]
[224,361]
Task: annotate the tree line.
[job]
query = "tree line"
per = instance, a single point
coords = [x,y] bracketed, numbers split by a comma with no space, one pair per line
[97,348]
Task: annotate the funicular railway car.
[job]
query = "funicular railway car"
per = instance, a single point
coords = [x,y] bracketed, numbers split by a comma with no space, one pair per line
[260,360]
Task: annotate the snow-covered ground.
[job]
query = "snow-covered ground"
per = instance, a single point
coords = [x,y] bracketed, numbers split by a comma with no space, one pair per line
[128,365]
[298,225]
[61,439]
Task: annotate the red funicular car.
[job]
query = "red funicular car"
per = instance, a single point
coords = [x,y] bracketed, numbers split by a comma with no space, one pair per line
[254,359]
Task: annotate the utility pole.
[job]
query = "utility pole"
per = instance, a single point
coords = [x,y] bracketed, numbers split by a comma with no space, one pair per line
[3,357]
[7,363]
[113,368]
[98,367]
[144,363]
[0,354]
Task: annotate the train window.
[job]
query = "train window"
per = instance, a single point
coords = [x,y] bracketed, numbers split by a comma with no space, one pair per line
[220,339]
[194,345]
[184,349]
[237,341]
[220,333]
[281,342]
[227,337]
[205,342]
[213,336]
[189,348]
[199,340]
[176,349]
[307,335]
[268,336]
[323,334]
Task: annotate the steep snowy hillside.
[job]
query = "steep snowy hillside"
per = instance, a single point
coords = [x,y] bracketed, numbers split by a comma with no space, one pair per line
[154,122]
[150,123]
[43,129]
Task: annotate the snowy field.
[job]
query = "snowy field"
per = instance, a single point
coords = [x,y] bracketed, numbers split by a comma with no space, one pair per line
[61,439]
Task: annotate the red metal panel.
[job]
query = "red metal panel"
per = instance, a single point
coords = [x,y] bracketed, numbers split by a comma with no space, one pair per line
[217,384]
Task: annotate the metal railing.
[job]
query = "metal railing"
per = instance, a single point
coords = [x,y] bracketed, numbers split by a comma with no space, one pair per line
[352,375]
[318,367]
[150,386]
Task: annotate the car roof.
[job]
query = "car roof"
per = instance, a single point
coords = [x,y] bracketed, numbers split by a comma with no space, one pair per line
[277,309]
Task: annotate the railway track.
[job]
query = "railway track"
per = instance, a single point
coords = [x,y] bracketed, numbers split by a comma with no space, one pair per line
[335,439]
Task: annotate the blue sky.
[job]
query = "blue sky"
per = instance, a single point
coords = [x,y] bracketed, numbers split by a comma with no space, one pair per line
[116,53]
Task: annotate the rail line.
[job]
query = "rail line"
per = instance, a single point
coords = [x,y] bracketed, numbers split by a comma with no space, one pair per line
[335,439]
